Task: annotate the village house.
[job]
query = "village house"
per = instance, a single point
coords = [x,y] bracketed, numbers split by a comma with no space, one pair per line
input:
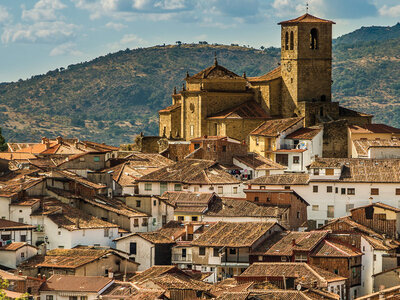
[81,261]
[377,149]
[15,232]
[151,248]
[63,226]
[254,165]
[190,206]
[388,293]
[296,216]
[224,249]
[67,287]
[192,175]
[126,289]
[294,275]
[18,283]
[12,254]
[342,183]
[359,137]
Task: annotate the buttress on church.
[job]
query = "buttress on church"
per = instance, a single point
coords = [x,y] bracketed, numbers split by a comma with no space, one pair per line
[218,102]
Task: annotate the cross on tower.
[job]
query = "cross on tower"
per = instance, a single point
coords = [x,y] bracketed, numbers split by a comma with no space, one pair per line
[307,7]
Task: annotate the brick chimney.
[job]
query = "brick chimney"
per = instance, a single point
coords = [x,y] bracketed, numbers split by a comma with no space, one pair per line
[59,140]
[293,242]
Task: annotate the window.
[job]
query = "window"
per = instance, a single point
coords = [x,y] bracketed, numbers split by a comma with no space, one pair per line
[336,271]
[224,148]
[220,190]
[257,142]
[397,192]
[235,190]
[59,232]
[132,248]
[148,187]
[96,158]
[177,187]
[196,146]
[287,41]
[215,252]
[21,220]
[262,187]
[23,237]
[336,190]
[315,188]
[300,258]
[202,251]
[296,159]
[145,222]
[73,297]
[283,258]
[196,189]
[84,298]
[329,172]
[374,191]
[291,40]
[298,215]
[315,207]
[154,202]
[164,220]
[135,222]
[181,218]
[62,247]
[314,39]
[106,232]
[329,189]
[22,255]
[232,251]
[195,218]
[331,211]
[49,297]
[191,130]
[138,203]
[351,191]
[343,191]
[349,207]
[374,257]
[287,187]
[256,199]
[316,171]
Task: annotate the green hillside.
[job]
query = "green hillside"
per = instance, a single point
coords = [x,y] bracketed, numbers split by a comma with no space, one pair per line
[368,34]
[114,97]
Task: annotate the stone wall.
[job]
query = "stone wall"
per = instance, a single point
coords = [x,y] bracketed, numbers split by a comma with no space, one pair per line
[335,139]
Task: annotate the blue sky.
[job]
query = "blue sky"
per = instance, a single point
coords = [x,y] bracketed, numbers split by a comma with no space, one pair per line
[41,35]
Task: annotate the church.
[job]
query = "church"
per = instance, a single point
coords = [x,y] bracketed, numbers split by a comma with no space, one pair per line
[218,102]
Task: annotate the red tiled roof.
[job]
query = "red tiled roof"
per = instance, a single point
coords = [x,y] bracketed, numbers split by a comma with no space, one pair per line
[7,224]
[14,246]
[272,128]
[247,110]
[304,134]
[72,283]
[306,18]
[258,162]
[170,108]
[215,71]
[274,74]
[374,128]
[334,249]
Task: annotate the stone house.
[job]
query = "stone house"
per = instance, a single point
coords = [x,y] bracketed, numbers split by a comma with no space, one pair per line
[15,232]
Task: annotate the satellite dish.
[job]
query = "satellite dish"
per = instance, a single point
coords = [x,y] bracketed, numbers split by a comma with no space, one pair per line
[302,145]
[298,287]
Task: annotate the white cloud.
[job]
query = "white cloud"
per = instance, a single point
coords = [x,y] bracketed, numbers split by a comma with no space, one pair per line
[4,15]
[128,41]
[43,10]
[66,49]
[390,11]
[115,26]
[42,32]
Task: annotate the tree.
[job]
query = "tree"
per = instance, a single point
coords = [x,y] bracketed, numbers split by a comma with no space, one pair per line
[3,144]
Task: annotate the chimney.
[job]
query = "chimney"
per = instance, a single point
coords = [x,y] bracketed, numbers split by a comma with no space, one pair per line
[293,242]
[44,277]
[19,272]
[44,140]
[59,140]
[47,143]
[39,276]
[110,274]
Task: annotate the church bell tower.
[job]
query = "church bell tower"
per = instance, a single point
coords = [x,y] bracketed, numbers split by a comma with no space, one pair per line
[306,63]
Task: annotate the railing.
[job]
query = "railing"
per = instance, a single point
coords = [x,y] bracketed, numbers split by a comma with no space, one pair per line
[234,260]
[180,257]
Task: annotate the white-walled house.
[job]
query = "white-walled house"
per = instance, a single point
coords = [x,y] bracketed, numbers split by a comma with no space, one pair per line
[11,231]
[63,226]
[11,255]
[257,166]
[192,175]
[333,187]
[67,287]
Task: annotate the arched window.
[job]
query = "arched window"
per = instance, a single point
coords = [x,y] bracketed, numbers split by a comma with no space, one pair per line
[291,40]
[314,39]
[287,41]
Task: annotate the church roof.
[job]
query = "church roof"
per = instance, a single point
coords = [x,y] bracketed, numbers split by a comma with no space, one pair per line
[170,108]
[214,72]
[306,18]
[247,110]
[274,74]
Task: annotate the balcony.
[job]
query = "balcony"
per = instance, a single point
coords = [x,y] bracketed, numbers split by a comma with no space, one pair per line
[181,258]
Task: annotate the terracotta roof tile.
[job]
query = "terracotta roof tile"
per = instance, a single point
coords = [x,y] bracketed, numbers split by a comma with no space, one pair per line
[374,128]
[272,75]
[273,128]
[346,112]
[153,272]
[306,133]
[329,248]
[170,108]
[306,18]
[258,162]
[72,283]
[362,146]
[281,179]
[235,234]
[215,71]
[188,201]
[7,224]
[15,246]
